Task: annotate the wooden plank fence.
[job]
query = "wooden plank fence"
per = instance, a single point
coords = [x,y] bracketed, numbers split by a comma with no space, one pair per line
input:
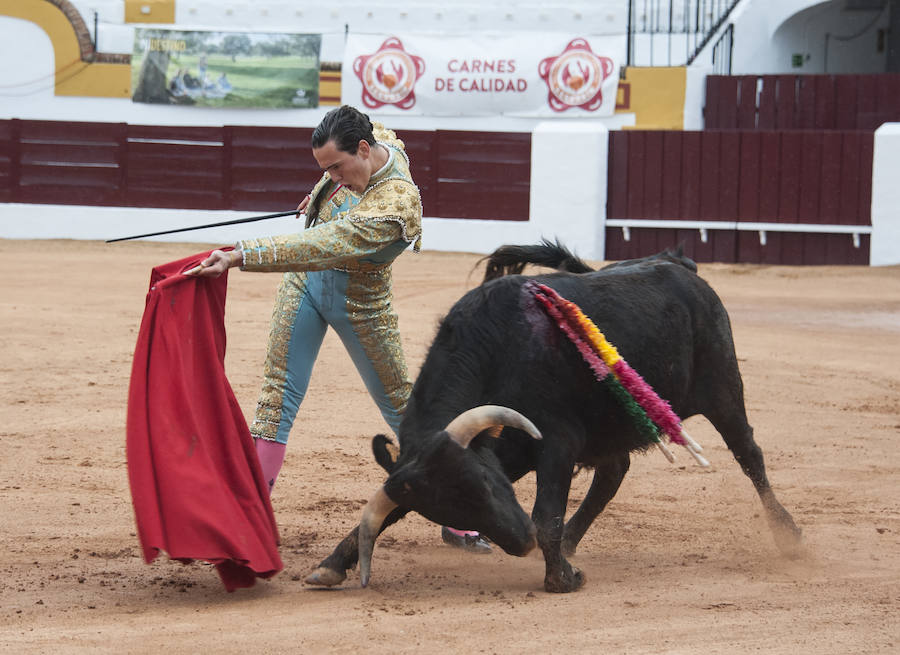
[761,196]
[268,167]
[460,174]
[801,102]
[773,197]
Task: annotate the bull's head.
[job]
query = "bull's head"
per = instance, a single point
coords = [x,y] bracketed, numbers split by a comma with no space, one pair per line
[449,484]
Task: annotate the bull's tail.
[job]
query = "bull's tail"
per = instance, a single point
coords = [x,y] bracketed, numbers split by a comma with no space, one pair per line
[511,260]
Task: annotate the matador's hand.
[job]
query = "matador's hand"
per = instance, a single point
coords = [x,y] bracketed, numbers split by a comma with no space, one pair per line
[301,208]
[217,263]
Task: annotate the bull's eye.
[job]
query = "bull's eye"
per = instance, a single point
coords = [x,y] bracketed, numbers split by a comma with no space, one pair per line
[407,488]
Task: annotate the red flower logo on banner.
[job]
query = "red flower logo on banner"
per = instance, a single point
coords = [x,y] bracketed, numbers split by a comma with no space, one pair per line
[389,75]
[575,77]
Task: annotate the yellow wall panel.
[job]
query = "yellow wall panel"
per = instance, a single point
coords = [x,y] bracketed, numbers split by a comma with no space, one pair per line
[99,80]
[149,11]
[655,96]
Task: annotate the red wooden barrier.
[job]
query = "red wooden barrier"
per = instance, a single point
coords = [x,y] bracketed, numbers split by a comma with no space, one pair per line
[69,163]
[9,159]
[483,175]
[459,174]
[178,167]
[271,168]
[802,102]
[751,194]
[422,150]
[734,195]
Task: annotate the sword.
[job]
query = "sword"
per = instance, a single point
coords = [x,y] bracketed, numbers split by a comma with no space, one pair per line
[236,221]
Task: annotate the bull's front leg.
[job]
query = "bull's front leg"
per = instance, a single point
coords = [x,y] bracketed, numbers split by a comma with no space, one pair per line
[332,570]
[554,477]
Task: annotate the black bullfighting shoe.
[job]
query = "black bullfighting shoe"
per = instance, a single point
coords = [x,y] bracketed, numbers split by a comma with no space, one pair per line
[472,543]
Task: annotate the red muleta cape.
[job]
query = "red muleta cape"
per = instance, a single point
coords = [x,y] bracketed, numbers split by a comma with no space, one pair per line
[196,485]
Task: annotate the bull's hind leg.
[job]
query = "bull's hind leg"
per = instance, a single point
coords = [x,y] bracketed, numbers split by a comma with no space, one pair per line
[608,475]
[738,435]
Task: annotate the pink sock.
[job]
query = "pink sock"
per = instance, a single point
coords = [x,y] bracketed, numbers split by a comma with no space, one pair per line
[271,457]
[463,533]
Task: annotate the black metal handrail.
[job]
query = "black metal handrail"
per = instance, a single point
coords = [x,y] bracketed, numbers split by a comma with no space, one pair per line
[692,23]
[721,53]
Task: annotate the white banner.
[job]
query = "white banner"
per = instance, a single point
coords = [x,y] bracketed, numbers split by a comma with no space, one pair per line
[520,74]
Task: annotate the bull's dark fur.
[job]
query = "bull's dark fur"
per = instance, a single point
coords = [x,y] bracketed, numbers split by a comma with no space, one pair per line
[493,347]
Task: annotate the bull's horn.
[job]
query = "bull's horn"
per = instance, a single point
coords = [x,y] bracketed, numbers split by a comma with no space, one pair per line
[467,425]
[377,509]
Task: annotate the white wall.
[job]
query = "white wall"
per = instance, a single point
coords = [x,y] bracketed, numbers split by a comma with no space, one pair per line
[569,182]
[831,40]
[373,16]
[26,64]
[695,96]
[656,49]
[768,32]
[885,245]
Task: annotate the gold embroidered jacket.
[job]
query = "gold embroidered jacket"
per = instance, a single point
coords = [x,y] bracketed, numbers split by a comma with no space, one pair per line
[390,209]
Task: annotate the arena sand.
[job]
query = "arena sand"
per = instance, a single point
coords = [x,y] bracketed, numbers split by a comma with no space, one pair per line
[681,562]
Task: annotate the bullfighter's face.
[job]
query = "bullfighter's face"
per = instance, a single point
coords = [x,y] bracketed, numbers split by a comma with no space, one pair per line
[465,489]
[351,170]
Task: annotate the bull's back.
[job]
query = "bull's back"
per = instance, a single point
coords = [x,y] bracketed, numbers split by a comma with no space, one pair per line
[662,319]
[497,345]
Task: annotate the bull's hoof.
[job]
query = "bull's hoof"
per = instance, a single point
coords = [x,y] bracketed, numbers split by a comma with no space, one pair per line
[788,536]
[325,577]
[790,542]
[565,583]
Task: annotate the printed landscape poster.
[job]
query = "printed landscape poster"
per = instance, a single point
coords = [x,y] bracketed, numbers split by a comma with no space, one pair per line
[226,69]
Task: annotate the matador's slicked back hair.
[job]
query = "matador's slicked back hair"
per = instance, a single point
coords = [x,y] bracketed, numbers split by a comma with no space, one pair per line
[346,126]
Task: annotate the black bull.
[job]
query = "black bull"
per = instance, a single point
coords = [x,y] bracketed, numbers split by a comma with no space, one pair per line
[496,347]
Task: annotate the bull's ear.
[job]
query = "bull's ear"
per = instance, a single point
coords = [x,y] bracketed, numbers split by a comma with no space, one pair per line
[385,451]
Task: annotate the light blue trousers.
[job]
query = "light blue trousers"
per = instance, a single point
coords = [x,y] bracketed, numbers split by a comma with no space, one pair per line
[306,305]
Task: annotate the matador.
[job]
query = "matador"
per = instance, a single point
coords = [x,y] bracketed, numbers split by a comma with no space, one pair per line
[363,212]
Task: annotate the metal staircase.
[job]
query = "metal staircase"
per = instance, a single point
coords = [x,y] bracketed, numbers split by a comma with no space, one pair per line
[674,32]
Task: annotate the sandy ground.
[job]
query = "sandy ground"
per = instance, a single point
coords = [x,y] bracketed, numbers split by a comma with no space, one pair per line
[681,562]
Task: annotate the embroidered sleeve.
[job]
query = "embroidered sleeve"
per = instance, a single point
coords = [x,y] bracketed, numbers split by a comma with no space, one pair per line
[388,212]
[328,245]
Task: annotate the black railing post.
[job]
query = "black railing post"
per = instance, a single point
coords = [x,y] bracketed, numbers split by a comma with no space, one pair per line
[629,47]
[730,46]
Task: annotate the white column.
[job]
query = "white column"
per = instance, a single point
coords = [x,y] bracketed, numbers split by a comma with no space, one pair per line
[884,248]
[568,184]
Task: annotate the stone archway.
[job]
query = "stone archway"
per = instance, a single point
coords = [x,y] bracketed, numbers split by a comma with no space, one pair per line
[83,35]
